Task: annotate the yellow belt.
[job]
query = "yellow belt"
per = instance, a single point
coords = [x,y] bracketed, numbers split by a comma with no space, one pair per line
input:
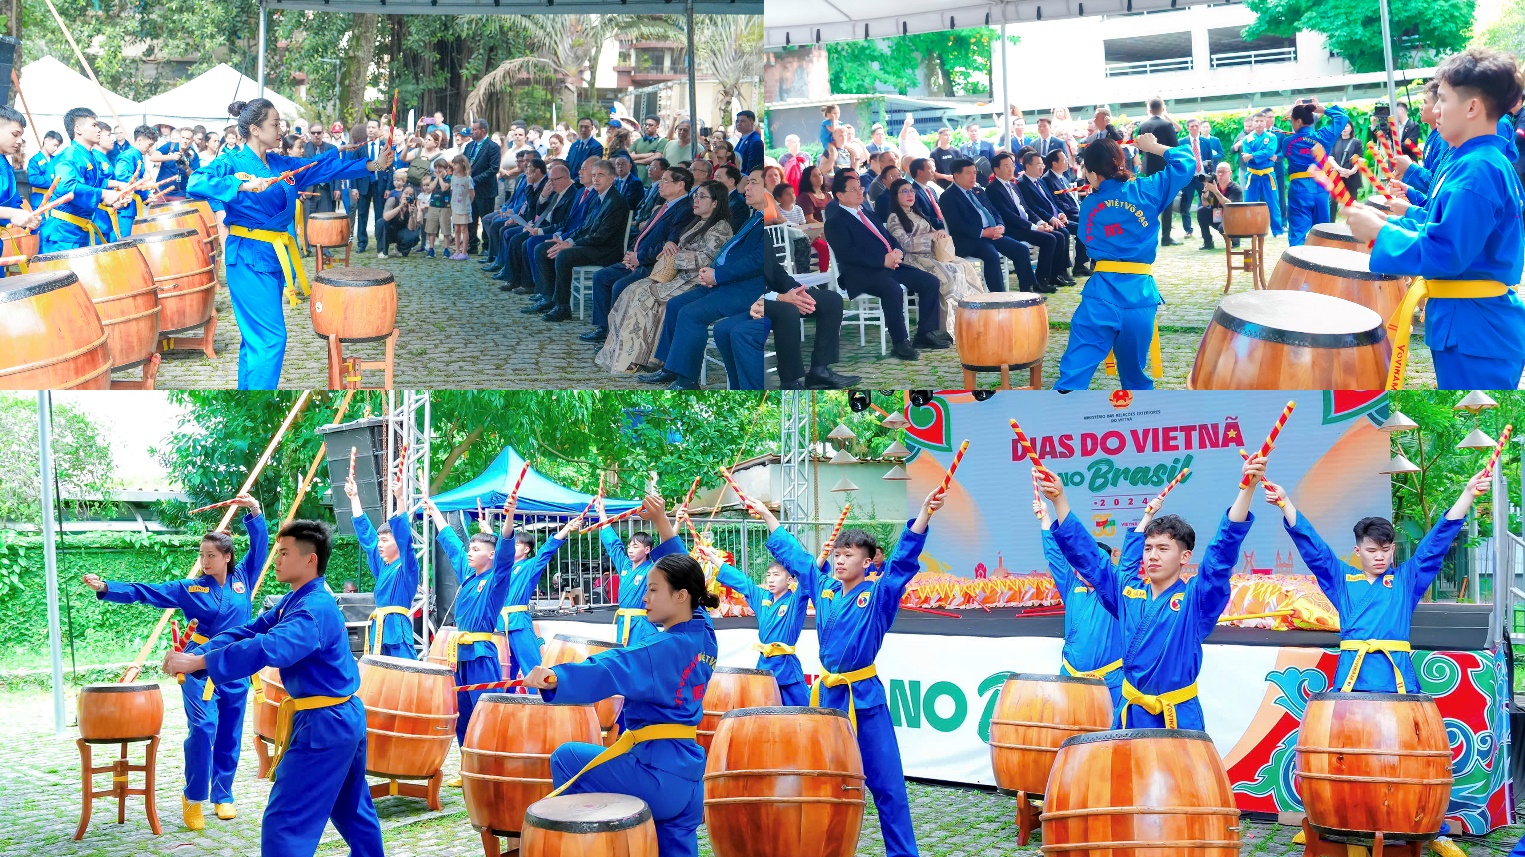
[773,650]
[655,732]
[378,621]
[301,227]
[93,231]
[463,638]
[1268,171]
[285,719]
[206,691]
[1156,357]
[1401,324]
[837,680]
[1099,672]
[1362,648]
[286,252]
[1305,174]
[1164,703]
[627,612]
[111,219]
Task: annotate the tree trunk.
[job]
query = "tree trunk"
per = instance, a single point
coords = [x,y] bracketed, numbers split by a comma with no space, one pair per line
[442,476]
[358,71]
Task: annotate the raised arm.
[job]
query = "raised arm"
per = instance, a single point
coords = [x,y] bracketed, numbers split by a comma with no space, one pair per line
[1431,553]
[258,530]
[654,512]
[1329,570]
[1079,547]
[730,575]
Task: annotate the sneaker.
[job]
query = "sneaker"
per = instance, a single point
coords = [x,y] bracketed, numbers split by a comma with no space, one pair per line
[459,257]
[381,255]
[429,253]
[191,812]
[225,811]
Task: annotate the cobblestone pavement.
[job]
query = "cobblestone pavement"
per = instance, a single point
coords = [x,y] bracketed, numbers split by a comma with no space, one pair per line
[459,332]
[39,800]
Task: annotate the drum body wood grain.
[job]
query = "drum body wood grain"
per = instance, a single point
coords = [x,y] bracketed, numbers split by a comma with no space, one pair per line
[109,712]
[179,215]
[1033,715]
[185,276]
[17,243]
[409,715]
[589,825]
[506,760]
[731,688]
[354,303]
[328,229]
[998,329]
[51,337]
[784,781]
[565,649]
[1246,219]
[1374,762]
[117,278]
[1336,235]
[1343,274]
[263,714]
[1142,792]
[1288,340]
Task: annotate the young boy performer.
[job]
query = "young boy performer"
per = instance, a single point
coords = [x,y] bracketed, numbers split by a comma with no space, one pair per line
[390,557]
[1376,602]
[1466,242]
[632,562]
[1260,152]
[522,570]
[1093,640]
[319,771]
[780,611]
[852,616]
[1307,201]
[216,601]
[1164,618]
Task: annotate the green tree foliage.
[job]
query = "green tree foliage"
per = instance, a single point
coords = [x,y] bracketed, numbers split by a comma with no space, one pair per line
[952,62]
[82,460]
[1423,30]
[1419,499]
[1507,31]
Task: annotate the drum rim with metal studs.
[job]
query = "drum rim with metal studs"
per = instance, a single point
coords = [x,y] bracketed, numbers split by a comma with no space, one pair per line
[406,665]
[82,252]
[1001,300]
[1336,262]
[1067,679]
[637,813]
[354,278]
[161,235]
[1229,317]
[1137,734]
[23,286]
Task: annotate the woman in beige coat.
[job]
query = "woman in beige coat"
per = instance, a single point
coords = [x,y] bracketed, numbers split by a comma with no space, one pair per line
[958,278]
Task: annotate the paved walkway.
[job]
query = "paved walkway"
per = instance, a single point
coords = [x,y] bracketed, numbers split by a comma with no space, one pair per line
[39,800]
[459,331]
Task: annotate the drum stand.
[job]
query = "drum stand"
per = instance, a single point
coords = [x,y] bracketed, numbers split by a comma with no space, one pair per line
[335,248]
[1034,376]
[490,845]
[424,788]
[119,770]
[173,341]
[262,748]
[1317,846]
[1027,813]
[150,375]
[344,372]
[1251,260]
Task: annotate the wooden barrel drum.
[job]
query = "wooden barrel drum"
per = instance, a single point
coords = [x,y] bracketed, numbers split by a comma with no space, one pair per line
[328,229]
[51,337]
[731,688]
[1380,203]
[996,331]
[1374,762]
[589,825]
[1034,714]
[121,286]
[506,759]
[273,694]
[185,276]
[1339,273]
[179,215]
[784,781]
[354,303]
[119,712]
[410,716]
[18,243]
[1287,340]
[1140,793]
[1336,235]
[1246,219]
[566,649]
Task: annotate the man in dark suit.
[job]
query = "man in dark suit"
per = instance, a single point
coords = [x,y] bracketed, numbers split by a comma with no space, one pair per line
[521,203]
[484,156]
[655,169]
[368,193]
[553,216]
[1045,142]
[1042,204]
[584,202]
[870,261]
[1164,131]
[1056,178]
[1208,152]
[600,240]
[675,185]
[1023,225]
[325,197]
[922,174]
[979,233]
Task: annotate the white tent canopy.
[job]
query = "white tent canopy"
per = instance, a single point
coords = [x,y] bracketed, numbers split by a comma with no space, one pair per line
[527,7]
[52,89]
[204,99]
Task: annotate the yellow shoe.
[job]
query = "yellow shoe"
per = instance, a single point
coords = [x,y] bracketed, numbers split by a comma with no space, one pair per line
[1301,838]
[226,811]
[453,783]
[1443,846]
[192,812]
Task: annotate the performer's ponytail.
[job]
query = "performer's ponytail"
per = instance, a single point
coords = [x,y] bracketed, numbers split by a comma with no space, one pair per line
[683,573]
[1105,158]
[250,113]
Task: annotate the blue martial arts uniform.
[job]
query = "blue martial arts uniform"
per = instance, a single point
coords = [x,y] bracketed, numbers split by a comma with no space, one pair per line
[1307,201]
[321,776]
[105,215]
[1374,610]
[39,174]
[850,627]
[390,633]
[1120,223]
[1469,230]
[1162,636]
[259,264]
[72,225]
[130,167]
[10,195]
[1421,178]
[1093,640]
[216,724]
[477,603]
[662,679]
[779,620]
[630,623]
[1263,149]
[513,617]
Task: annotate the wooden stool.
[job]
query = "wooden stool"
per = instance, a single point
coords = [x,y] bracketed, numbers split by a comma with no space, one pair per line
[335,247]
[426,788]
[344,372]
[1317,846]
[176,340]
[263,752]
[1027,813]
[1034,377]
[1251,260]
[150,369]
[119,770]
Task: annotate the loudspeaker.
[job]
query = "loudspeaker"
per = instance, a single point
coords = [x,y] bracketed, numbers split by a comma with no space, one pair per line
[369,438]
[8,50]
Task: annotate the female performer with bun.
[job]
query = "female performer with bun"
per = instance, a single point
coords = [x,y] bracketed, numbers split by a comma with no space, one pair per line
[258,189]
[662,678]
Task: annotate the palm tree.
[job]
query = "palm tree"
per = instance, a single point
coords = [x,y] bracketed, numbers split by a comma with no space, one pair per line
[564,45]
[730,50]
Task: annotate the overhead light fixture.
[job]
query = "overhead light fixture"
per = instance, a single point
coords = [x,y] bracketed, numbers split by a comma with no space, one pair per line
[844,484]
[1475,401]
[895,450]
[897,474]
[921,398]
[895,421]
[1397,421]
[858,401]
[842,434]
[843,457]
[1477,439]
[1399,464]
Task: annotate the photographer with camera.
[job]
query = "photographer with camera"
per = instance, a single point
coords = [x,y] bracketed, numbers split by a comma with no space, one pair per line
[402,216]
[1208,152]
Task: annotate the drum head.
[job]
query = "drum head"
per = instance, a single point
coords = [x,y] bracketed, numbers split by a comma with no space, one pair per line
[1244,205]
[596,812]
[1067,679]
[82,252]
[328,215]
[1001,300]
[353,277]
[586,641]
[118,687]
[405,665]
[24,286]
[164,235]
[1334,261]
[1335,231]
[742,671]
[1303,319]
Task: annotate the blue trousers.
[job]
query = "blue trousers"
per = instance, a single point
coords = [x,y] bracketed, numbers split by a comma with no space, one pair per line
[1457,371]
[1306,208]
[523,652]
[742,341]
[691,323]
[989,251]
[677,805]
[321,779]
[399,649]
[256,299]
[886,780]
[543,280]
[1098,327]
[607,286]
[124,222]
[215,738]
[478,670]
[1259,189]
[629,630]
[795,694]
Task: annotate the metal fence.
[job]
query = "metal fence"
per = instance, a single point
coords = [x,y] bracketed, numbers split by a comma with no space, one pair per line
[1125,69]
[1253,58]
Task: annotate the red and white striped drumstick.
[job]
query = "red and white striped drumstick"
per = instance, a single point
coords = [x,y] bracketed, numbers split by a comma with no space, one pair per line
[1265,448]
[731,481]
[953,467]
[623,516]
[1171,487]
[499,685]
[1246,456]
[1367,174]
[513,495]
[180,642]
[831,540]
[692,489]
[352,453]
[1031,453]
[211,507]
[1497,450]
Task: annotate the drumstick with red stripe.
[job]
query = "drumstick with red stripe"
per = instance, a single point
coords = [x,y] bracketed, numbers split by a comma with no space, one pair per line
[180,641]
[952,469]
[513,496]
[731,481]
[1367,174]
[1246,456]
[1379,154]
[1160,497]
[501,685]
[1270,442]
[623,516]
[831,540]
[1031,453]
[1497,450]
[211,507]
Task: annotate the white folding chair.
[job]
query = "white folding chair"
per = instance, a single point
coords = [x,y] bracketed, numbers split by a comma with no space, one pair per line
[582,277]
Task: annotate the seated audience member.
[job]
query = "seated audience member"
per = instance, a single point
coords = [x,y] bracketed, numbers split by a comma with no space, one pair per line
[915,235]
[979,233]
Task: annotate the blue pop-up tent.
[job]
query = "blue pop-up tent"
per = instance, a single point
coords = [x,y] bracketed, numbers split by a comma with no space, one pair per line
[538,495]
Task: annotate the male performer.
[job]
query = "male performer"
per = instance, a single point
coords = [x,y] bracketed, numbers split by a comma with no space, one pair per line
[132,166]
[72,224]
[1164,618]
[1093,639]
[39,169]
[523,572]
[631,561]
[319,769]
[1261,152]
[390,557]
[1307,201]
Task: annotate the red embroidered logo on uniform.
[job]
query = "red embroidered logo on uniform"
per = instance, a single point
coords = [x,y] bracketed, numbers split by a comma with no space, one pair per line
[1387,580]
[481,585]
[863,600]
[238,586]
[1175,601]
[782,609]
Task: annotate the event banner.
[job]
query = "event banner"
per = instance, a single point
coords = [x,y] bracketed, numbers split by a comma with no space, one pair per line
[1115,453]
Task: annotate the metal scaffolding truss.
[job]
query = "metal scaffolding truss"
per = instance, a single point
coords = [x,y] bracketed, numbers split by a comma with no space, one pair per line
[408,431]
[794,455]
